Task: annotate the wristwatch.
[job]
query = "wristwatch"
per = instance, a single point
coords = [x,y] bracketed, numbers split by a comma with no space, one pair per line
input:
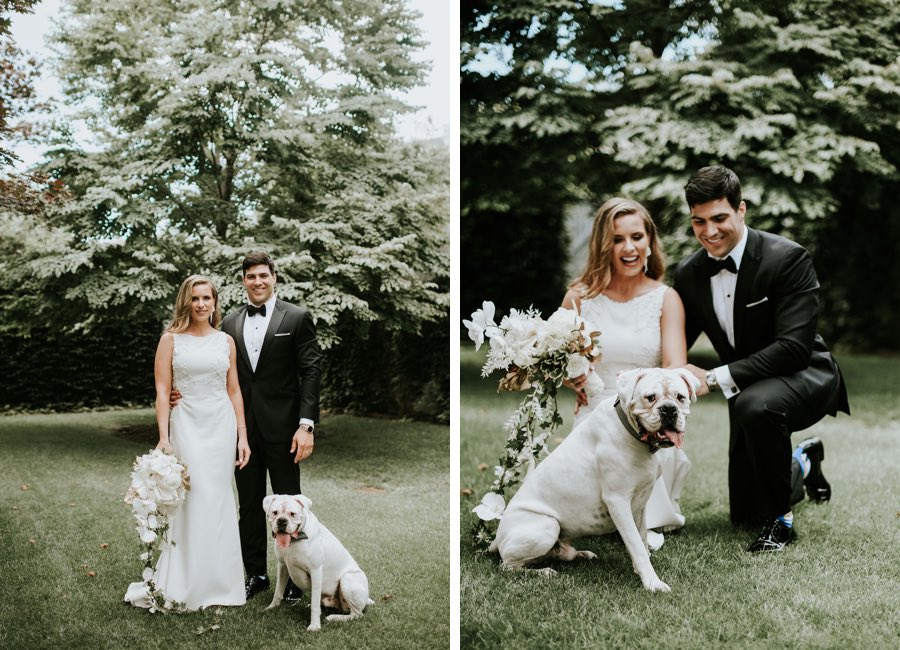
[307,427]
[711,381]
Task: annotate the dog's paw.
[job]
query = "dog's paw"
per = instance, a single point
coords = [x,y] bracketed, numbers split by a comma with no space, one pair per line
[657,585]
[546,572]
[586,555]
[313,627]
[273,605]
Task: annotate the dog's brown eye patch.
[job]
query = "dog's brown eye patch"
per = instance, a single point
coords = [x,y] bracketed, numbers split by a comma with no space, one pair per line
[651,397]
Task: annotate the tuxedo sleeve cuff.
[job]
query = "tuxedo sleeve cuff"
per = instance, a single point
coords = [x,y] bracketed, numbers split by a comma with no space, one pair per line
[306,421]
[726,382]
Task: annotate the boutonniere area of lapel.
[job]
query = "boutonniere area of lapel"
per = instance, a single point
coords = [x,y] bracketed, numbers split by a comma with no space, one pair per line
[758,302]
[284,334]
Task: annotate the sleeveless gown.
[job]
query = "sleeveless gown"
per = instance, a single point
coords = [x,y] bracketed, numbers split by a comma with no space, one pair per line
[630,338]
[204,566]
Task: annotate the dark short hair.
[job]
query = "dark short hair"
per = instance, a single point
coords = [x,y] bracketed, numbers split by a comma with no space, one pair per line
[713,183]
[255,258]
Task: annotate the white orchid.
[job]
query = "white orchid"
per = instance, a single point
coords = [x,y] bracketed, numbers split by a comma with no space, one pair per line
[491,507]
[482,322]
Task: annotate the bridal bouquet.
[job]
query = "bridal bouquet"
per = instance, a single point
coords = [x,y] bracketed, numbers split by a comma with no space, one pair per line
[537,355]
[159,484]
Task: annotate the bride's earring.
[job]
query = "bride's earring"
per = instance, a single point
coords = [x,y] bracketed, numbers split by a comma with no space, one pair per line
[646,259]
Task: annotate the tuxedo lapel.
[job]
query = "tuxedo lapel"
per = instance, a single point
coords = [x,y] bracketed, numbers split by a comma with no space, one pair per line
[708,314]
[746,276]
[239,336]
[277,316]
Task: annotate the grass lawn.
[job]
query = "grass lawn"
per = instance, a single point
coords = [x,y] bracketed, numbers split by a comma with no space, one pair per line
[838,586]
[380,485]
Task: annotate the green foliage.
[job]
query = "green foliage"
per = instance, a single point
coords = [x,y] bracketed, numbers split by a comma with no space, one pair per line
[224,127]
[800,98]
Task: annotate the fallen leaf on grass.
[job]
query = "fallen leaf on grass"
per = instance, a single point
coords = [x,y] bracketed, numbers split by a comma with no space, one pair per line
[31,541]
[92,574]
[387,597]
[104,546]
[15,507]
[482,467]
[368,489]
[25,486]
[466,492]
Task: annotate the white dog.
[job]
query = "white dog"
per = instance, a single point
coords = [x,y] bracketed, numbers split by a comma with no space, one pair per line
[316,561]
[600,478]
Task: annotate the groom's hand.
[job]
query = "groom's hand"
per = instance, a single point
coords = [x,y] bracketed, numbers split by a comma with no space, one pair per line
[302,444]
[700,374]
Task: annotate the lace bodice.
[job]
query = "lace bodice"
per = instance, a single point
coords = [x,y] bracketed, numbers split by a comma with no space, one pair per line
[200,363]
[629,333]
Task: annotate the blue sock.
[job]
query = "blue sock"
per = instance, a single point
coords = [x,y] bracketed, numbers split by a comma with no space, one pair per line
[803,459]
[787,519]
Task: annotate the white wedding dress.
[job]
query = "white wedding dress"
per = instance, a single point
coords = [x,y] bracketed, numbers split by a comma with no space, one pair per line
[203,566]
[630,338]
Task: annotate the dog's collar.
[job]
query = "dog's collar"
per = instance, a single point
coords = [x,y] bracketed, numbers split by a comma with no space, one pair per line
[640,436]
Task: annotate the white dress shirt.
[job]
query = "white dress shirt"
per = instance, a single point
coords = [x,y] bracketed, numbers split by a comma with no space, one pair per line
[255,331]
[722,286]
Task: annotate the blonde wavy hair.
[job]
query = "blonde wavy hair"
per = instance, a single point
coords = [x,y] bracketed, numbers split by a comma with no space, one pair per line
[598,270]
[181,317]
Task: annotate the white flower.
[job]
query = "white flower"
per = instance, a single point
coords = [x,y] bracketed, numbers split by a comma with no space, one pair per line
[491,507]
[577,366]
[482,320]
[594,385]
[148,574]
[138,594]
[147,536]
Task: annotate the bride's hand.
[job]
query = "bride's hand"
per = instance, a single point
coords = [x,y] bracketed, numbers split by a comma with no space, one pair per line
[576,383]
[165,446]
[243,454]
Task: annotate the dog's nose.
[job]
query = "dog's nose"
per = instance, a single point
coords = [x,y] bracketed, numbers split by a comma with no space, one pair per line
[668,411]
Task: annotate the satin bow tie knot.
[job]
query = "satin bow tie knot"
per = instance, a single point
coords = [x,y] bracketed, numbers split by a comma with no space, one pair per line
[253,311]
[713,266]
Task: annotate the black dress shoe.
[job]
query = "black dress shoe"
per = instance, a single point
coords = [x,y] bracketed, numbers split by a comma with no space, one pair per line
[817,487]
[255,584]
[774,536]
[292,593]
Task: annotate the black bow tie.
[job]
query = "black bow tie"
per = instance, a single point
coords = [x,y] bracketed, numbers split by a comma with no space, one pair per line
[253,311]
[713,266]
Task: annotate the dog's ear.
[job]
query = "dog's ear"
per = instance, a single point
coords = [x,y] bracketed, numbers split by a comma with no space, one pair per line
[268,502]
[626,382]
[691,380]
[304,500]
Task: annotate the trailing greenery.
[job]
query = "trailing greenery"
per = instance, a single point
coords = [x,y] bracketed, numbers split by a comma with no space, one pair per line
[70,547]
[833,588]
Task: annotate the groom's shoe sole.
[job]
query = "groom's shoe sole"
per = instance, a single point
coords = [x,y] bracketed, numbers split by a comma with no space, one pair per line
[817,488]
[255,585]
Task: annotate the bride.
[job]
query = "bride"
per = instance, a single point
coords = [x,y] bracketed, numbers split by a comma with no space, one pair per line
[641,323]
[201,565]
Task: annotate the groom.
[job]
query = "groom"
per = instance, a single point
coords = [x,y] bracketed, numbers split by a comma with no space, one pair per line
[279,375]
[755,295]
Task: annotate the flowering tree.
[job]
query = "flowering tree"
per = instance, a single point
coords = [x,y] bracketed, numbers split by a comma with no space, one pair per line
[221,126]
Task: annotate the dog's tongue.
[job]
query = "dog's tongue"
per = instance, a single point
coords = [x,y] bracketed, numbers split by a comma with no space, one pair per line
[675,437]
[283,540]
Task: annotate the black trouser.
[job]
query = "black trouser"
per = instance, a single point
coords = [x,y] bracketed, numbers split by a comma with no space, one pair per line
[763,482]
[276,459]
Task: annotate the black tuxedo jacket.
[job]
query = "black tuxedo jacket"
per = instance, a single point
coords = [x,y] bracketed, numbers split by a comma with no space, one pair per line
[285,385]
[776,311]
